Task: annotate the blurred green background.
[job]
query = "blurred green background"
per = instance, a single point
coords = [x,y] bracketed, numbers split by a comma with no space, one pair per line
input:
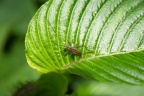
[15,16]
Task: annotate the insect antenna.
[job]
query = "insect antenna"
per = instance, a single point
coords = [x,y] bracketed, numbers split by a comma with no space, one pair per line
[86,48]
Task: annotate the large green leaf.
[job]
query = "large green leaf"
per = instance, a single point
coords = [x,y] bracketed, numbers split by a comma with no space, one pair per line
[112,30]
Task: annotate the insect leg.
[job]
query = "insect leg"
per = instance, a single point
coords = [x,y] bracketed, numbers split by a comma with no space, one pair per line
[84,47]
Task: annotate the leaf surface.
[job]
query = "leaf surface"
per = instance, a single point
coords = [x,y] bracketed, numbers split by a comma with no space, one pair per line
[109,33]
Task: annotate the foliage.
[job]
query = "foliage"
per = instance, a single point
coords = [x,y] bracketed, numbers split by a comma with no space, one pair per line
[100,40]
[111,29]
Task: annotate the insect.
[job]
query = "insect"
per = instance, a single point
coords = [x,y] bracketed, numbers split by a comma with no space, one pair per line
[72,50]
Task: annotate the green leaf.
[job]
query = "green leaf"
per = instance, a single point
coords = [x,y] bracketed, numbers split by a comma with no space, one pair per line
[111,30]
[51,84]
[108,89]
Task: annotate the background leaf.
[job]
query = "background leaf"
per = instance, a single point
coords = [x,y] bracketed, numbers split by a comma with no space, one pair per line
[92,88]
[111,29]
[51,84]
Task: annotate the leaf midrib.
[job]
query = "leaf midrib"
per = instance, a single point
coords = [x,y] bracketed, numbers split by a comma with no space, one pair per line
[99,56]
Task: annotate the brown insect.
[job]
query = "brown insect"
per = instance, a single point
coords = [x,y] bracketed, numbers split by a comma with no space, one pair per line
[73,50]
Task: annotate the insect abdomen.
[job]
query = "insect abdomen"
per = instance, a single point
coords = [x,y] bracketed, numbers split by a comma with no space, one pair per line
[73,50]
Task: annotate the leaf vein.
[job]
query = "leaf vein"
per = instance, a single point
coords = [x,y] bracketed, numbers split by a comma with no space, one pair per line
[128,32]
[120,23]
[102,28]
